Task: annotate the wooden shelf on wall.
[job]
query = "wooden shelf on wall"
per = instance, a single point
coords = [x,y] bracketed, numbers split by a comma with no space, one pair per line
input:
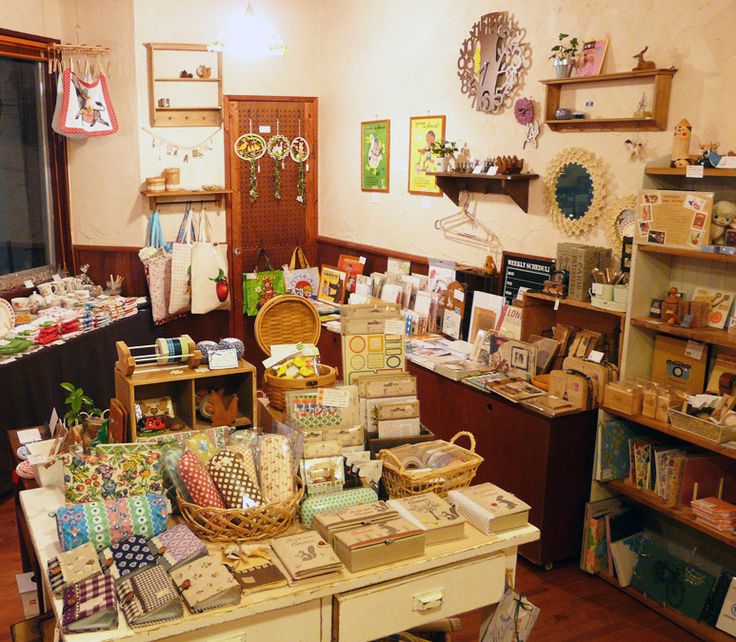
[701,630]
[659,109]
[576,304]
[186,80]
[714,336]
[515,186]
[183,195]
[669,429]
[688,254]
[681,171]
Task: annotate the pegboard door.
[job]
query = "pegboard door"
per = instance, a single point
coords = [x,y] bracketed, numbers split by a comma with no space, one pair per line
[277,225]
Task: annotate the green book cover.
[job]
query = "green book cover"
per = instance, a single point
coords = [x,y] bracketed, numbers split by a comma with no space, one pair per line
[669,580]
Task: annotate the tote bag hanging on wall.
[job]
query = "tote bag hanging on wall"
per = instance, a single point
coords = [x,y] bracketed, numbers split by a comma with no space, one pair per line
[86,107]
[210,285]
[261,287]
[299,278]
[181,262]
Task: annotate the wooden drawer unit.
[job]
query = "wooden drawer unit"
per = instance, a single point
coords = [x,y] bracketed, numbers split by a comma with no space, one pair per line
[379,610]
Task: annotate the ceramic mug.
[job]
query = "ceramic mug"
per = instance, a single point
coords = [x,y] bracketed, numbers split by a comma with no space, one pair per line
[20,302]
[45,289]
[602,291]
[52,300]
[620,293]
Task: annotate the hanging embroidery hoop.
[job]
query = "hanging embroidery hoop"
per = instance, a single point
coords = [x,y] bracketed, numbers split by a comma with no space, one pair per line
[272,147]
[299,150]
[250,147]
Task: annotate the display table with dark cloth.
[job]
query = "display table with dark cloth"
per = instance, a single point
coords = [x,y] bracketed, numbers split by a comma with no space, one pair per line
[30,385]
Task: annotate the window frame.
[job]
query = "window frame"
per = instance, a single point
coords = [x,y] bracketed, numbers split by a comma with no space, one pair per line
[25,46]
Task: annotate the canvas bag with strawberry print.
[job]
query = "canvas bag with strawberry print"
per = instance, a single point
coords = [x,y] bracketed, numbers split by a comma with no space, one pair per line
[210,284]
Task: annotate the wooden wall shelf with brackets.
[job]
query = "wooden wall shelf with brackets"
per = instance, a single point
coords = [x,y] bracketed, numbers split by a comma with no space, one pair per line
[183,195]
[515,186]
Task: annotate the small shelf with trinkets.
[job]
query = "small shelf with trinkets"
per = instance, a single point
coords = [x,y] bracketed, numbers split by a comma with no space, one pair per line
[515,186]
[168,197]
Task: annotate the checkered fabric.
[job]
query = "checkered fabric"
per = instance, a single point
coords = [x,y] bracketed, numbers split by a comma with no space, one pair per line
[88,598]
[149,596]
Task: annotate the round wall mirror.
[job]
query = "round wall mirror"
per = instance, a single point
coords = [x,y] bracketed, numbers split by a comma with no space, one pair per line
[575,190]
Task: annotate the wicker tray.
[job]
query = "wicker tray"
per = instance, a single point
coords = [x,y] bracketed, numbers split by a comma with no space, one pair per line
[276,388]
[287,319]
[401,482]
[237,525]
[701,427]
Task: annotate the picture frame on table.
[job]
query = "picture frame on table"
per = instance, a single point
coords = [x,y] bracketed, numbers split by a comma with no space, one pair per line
[375,155]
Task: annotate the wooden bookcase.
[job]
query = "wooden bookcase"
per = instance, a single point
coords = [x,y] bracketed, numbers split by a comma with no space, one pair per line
[181,385]
[654,270]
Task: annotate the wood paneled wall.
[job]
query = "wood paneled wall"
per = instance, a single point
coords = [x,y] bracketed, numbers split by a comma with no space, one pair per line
[329,250]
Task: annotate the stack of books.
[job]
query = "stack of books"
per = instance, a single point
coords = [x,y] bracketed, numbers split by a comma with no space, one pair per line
[715,513]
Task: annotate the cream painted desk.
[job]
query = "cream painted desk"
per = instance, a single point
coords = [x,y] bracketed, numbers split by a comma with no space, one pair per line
[450,578]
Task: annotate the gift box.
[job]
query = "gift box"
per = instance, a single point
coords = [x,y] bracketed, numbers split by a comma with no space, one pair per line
[329,523]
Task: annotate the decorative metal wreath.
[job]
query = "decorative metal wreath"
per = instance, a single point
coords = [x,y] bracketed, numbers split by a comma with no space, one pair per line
[492,60]
[620,221]
[585,160]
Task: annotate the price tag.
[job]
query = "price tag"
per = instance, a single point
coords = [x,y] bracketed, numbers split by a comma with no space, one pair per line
[361,260]
[459,295]
[53,420]
[264,129]
[56,277]
[393,326]
[224,359]
[694,349]
[492,171]
[694,171]
[557,304]
[478,169]
[28,284]
[596,356]
[335,397]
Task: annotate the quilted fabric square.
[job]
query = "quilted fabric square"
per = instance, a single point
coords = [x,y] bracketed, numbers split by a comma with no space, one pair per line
[108,475]
[177,546]
[198,481]
[105,522]
[233,481]
[277,481]
[88,598]
[128,556]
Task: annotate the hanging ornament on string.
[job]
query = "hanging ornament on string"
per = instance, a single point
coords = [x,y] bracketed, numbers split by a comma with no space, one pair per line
[251,147]
[278,148]
[173,149]
[299,153]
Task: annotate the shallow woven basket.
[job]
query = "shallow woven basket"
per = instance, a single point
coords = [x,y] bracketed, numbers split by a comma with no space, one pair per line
[289,319]
[238,525]
[399,483]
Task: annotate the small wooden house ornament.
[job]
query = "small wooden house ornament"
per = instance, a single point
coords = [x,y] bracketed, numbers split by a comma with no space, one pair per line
[681,144]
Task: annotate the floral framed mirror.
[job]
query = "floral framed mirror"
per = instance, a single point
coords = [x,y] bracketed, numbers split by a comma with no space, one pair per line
[575,190]
[620,221]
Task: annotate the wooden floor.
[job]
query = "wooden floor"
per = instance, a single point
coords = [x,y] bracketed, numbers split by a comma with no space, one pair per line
[575,607]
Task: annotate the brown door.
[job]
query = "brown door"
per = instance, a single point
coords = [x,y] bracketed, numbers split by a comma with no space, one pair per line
[277,225]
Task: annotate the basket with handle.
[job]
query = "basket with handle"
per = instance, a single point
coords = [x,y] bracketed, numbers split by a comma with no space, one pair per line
[239,525]
[289,319]
[402,481]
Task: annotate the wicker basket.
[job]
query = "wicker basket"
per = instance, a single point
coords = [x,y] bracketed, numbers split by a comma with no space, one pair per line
[238,525]
[401,482]
[289,319]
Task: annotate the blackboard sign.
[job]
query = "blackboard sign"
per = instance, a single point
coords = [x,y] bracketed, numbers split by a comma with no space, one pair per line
[524,270]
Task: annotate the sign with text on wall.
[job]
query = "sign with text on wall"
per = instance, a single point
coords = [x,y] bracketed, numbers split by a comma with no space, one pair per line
[524,270]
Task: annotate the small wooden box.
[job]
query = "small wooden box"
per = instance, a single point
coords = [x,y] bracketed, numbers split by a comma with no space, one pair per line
[379,543]
[624,397]
[649,403]
[330,523]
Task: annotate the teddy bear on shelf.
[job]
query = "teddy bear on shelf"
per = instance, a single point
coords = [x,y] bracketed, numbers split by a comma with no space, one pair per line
[724,217]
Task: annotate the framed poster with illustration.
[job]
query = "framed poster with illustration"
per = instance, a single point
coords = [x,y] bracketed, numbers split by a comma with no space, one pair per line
[375,155]
[591,60]
[423,131]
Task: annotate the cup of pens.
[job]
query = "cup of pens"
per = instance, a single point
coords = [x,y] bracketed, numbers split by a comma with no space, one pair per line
[115,285]
[609,289]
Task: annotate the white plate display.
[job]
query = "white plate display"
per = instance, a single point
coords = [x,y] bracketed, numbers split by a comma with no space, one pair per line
[7,317]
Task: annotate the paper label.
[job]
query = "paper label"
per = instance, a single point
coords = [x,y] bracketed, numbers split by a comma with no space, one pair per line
[478,169]
[361,260]
[335,397]
[56,277]
[694,349]
[459,295]
[28,284]
[557,304]
[264,129]
[53,420]
[393,326]
[596,356]
[695,171]
[727,162]
[224,359]
[28,435]
[492,171]
[520,292]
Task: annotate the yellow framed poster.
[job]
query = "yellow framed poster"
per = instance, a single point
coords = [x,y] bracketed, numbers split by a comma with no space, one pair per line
[423,131]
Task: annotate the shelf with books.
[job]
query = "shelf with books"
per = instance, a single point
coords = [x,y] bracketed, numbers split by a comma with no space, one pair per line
[682,514]
[713,336]
[669,429]
[699,629]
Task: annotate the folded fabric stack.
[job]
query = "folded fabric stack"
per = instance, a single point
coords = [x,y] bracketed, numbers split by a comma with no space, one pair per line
[47,333]
[130,306]
[70,324]
[100,314]
[715,513]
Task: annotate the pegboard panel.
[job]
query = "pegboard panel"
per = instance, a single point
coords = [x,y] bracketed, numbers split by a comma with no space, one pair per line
[277,225]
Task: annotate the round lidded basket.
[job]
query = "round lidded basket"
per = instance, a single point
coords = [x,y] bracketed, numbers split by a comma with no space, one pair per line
[240,525]
[289,319]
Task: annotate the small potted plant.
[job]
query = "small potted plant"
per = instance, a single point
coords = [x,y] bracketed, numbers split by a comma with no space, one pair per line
[82,411]
[563,55]
[443,151]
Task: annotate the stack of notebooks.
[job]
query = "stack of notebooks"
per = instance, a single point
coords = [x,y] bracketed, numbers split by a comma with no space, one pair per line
[306,555]
[715,513]
[489,508]
[440,520]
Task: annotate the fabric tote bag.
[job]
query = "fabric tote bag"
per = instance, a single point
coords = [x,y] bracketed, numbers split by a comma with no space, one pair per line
[157,266]
[210,285]
[299,277]
[180,297]
[261,287]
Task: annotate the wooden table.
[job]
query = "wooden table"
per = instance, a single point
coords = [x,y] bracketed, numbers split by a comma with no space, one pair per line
[467,574]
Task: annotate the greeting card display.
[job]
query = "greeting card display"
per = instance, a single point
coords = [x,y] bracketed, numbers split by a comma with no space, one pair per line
[674,218]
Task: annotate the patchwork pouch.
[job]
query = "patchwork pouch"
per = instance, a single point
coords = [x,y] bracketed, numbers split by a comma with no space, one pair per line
[334,501]
[201,488]
[127,557]
[277,482]
[90,606]
[206,584]
[72,567]
[107,522]
[176,547]
[148,597]
[233,481]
